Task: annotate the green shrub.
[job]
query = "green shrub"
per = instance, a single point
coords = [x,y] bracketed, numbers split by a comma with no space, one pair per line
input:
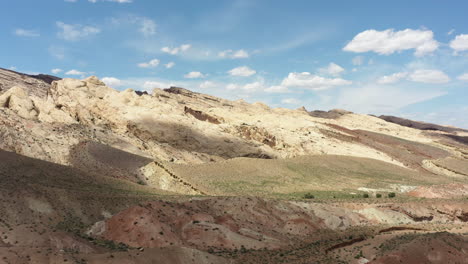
[391,195]
[309,196]
[365,195]
[378,195]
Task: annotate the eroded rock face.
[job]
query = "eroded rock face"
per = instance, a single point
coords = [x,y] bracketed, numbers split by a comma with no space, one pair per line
[202,116]
[17,100]
[35,85]
[177,125]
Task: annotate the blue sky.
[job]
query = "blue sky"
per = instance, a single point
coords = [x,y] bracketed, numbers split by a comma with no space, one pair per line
[406,58]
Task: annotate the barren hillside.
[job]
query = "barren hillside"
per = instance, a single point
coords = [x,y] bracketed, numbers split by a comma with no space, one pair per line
[90,174]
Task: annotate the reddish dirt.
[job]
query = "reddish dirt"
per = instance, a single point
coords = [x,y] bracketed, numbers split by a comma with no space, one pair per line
[440,191]
[434,248]
[208,224]
[410,153]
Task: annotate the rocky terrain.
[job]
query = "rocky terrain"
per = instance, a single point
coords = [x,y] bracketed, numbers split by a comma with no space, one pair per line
[90,174]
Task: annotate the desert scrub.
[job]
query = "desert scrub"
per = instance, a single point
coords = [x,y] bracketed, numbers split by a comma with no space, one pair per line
[391,195]
[309,196]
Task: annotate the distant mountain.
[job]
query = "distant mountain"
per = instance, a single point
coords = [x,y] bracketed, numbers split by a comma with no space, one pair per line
[420,125]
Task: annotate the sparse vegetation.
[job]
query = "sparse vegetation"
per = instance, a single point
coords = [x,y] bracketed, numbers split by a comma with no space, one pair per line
[309,196]
[391,195]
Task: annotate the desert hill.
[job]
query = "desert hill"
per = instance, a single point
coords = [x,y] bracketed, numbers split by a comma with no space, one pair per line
[95,175]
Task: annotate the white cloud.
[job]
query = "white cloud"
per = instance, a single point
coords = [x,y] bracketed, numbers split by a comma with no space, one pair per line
[57,51]
[148,27]
[292,101]
[253,86]
[26,33]
[150,64]
[170,51]
[208,85]
[13,68]
[56,71]
[185,47]
[307,80]
[358,60]
[176,50]
[388,79]
[332,69]
[451,32]
[463,77]
[378,99]
[150,85]
[249,87]
[115,1]
[194,75]
[389,41]
[460,43]
[75,72]
[75,32]
[239,54]
[242,71]
[169,65]
[112,82]
[429,76]
[277,89]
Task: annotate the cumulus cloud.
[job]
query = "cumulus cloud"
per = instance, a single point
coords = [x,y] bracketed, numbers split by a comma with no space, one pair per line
[422,76]
[150,64]
[429,76]
[277,89]
[194,75]
[112,82]
[233,54]
[310,81]
[292,101]
[147,27]
[115,1]
[75,72]
[26,33]
[169,65]
[460,43]
[208,85]
[75,32]
[57,51]
[389,41]
[463,77]
[358,60]
[56,71]
[176,50]
[332,69]
[378,99]
[150,85]
[249,87]
[242,71]
[393,78]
